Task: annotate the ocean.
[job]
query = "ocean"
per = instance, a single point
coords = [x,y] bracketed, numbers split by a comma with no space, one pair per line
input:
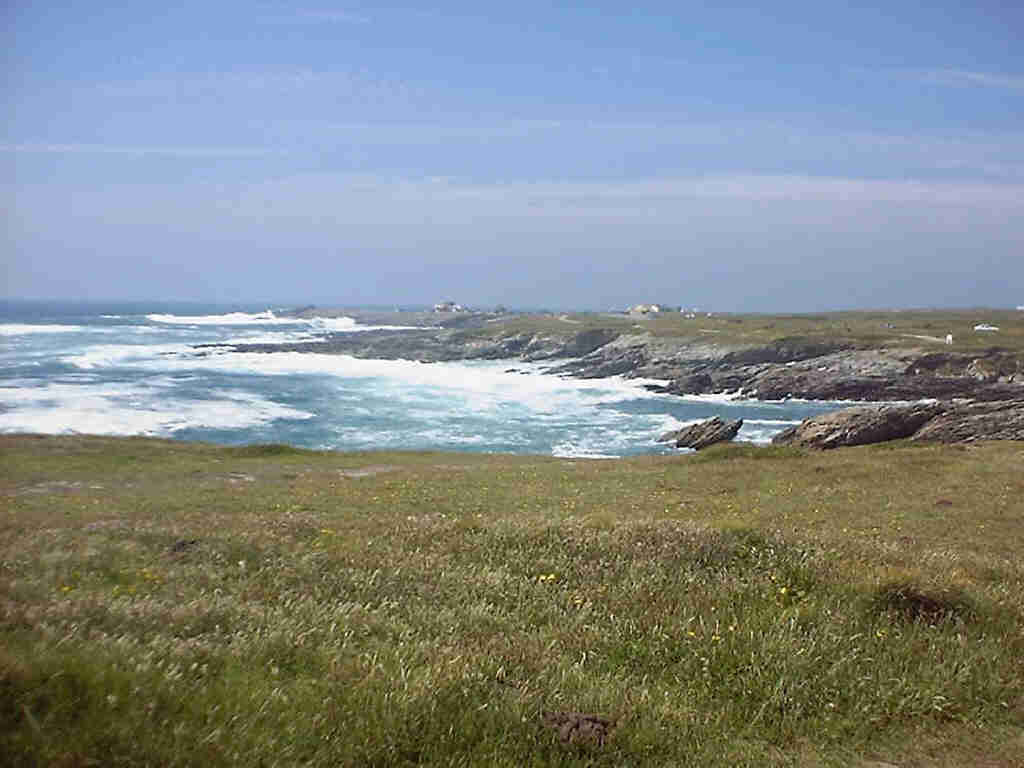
[134,369]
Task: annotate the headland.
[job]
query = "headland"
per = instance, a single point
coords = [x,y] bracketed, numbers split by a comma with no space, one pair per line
[955,357]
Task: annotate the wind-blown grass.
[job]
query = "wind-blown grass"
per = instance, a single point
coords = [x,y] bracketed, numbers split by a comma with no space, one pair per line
[178,604]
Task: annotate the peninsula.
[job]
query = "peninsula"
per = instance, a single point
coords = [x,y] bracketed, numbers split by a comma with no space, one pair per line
[960,358]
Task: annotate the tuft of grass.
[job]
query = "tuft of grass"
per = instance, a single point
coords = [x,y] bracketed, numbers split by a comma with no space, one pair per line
[911,603]
[728,451]
[269,450]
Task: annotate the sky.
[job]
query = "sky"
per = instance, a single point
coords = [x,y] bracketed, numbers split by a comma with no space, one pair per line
[778,156]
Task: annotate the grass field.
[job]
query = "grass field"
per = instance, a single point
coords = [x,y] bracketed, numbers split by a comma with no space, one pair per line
[167,603]
[881,328]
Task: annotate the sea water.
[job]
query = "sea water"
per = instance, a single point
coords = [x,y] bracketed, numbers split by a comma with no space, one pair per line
[136,369]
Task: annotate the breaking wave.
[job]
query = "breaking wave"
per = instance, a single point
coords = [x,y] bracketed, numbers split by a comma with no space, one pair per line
[133,409]
[24,329]
[324,324]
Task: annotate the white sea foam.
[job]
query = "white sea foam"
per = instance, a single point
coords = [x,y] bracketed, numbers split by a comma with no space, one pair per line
[131,409]
[24,329]
[479,386]
[348,325]
[323,324]
[721,397]
[274,337]
[570,450]
[149,356]
[333,323]
[755,435]
[231,318]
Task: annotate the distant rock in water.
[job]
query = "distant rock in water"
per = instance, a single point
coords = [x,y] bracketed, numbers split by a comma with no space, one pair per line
[860,425]
[703,434]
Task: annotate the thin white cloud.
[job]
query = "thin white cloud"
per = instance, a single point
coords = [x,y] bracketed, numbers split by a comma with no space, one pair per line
[103,149]
[960,78]
[346,17]
[560,199]
[315,16]
[312,90]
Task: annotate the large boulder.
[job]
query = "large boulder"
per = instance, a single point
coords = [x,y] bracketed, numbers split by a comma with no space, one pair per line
[703,434]
[860,425]
[976,421]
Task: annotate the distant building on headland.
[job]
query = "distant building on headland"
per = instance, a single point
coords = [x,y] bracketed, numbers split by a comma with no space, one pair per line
[645,309]
[651,309]
[449,306]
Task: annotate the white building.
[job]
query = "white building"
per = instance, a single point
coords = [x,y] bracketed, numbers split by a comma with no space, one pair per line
[448,306]
[645,309]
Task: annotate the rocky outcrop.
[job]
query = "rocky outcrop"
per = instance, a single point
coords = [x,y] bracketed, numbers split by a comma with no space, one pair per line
[968,422]
[805,368]
[703,434]
[693,384]
[860,425]
[783,351]
[949,422]
[878,375]
[585,342]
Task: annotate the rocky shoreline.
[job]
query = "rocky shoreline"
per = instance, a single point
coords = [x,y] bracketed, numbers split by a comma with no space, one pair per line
[942,422]
[788,368]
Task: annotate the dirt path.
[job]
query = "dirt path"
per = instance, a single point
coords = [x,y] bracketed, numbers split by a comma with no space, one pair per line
[936,339]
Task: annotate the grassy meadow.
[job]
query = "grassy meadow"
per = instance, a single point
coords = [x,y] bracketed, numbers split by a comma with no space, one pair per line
[869,329]
[172,604]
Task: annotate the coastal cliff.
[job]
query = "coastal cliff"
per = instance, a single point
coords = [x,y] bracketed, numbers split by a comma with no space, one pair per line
[834,366]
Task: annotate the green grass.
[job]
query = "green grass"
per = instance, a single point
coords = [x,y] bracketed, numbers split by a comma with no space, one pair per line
[165,603]
[869,329]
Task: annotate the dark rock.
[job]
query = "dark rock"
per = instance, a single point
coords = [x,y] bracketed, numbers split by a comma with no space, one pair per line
[781,383]
[703,434]
[783,351]
[183,545]
[616,363]
[976,421]
[860,425]
[586,342]
[694,384]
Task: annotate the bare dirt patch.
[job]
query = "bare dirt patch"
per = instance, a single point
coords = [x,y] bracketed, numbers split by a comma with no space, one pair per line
[56,486]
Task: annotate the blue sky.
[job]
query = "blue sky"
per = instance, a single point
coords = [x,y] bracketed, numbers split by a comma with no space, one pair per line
[780,156]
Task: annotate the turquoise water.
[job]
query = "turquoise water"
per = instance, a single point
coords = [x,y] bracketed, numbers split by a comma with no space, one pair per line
[133,369]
